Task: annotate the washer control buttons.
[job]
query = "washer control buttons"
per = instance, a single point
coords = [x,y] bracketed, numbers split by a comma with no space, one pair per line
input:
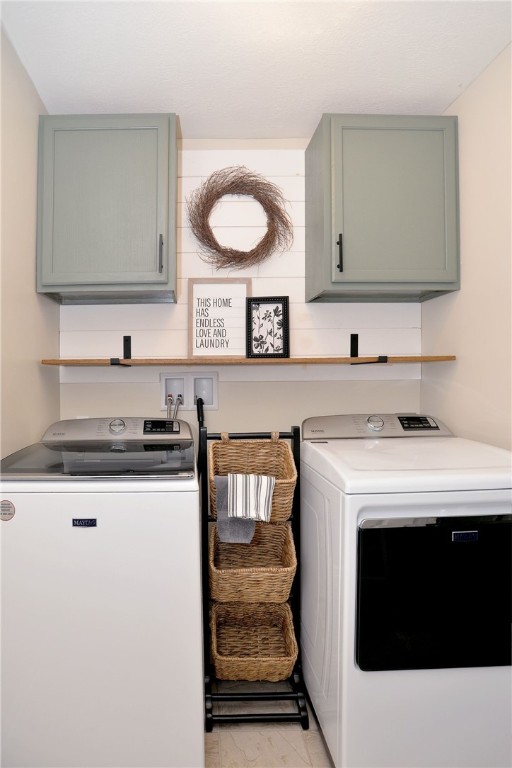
[154,426]
[375,423]
[117,426]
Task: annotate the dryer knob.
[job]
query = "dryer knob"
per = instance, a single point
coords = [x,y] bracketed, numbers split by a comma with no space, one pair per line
[375,423]
[117,426]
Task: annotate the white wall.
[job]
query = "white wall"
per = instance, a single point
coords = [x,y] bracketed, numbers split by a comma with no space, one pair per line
[250,398]
[29,323]
[474,395]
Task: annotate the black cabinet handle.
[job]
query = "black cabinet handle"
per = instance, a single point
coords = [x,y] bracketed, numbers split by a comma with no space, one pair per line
[161,253]
[340,252]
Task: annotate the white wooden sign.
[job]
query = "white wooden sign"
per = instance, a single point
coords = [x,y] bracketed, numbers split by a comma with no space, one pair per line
[217,316]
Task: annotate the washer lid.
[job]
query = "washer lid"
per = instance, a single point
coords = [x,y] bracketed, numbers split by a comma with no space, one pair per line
[394,465]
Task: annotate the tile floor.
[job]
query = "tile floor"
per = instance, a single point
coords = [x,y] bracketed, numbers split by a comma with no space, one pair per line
[263,745]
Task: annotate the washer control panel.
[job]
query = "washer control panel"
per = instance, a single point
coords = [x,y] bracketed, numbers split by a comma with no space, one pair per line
[127,428]
[372,425]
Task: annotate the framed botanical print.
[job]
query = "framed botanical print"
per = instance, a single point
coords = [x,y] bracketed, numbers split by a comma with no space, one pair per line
[267,326]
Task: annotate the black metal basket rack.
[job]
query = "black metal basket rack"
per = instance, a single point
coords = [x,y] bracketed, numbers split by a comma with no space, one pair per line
[296,691]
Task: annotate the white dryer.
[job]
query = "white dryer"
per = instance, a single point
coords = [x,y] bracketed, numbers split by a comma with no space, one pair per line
[406,538]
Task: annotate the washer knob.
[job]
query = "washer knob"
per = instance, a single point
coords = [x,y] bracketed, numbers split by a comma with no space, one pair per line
[375,423]
[117,426]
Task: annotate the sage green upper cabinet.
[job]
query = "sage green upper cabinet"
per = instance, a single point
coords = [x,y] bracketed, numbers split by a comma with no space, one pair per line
[382,208]
[106,229]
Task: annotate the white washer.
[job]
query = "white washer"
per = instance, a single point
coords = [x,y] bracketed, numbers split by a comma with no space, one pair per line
[102,661]
[406,573]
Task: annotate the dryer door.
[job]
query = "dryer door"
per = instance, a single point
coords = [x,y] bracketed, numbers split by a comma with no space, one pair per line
[434,592]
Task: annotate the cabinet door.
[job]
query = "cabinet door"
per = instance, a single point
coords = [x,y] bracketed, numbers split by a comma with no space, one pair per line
[394,213]
[104,200]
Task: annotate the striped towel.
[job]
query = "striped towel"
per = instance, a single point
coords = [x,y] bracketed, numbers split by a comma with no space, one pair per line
[250,496]
[231,530]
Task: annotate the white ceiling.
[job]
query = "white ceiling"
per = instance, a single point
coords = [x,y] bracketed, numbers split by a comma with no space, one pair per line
[267,69]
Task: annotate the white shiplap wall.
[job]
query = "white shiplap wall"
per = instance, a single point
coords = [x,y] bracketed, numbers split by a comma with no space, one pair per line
[316,330]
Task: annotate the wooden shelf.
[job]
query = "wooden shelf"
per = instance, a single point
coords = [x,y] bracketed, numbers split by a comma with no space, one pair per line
[218,361]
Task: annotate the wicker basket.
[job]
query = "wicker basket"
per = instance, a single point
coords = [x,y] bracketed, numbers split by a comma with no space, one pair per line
[261,570]
[255,457]
[253,642]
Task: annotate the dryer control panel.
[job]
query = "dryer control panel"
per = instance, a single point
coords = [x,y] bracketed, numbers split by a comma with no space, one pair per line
[362,425]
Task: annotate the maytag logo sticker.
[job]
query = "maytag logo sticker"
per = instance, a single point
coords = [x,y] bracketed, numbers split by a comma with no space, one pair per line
[6,510]
[84,522]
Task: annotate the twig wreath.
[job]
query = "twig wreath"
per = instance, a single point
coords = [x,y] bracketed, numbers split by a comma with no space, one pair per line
[239,181]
